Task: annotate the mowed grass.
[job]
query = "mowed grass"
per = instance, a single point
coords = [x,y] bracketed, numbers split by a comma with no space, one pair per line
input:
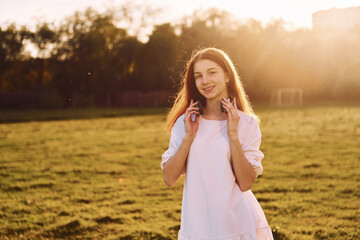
[100,178]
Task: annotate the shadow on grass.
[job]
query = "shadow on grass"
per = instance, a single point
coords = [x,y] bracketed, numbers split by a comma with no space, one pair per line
[279,235]
[150,235]
[14,116]
[145,236]
[66,231]
[108,219]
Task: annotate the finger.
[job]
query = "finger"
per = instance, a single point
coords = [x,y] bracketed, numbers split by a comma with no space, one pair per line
[194,112]
[189,113]
[224,105]
[230,110]
[194,103]
[186,116]
[233,113]
[227,103]
[230,105]
[236,113]
[226,100]
[233,108]
[192,108]
[227,109]
[188,119]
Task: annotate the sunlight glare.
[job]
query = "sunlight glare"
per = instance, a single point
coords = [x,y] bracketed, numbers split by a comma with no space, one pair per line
[294,13]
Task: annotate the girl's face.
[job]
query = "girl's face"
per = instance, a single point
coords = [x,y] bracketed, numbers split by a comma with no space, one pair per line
[210,79]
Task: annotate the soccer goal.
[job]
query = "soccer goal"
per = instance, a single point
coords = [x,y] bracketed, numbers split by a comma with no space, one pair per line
[287,97]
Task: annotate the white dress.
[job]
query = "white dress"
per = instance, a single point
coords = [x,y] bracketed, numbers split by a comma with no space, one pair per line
[213,206]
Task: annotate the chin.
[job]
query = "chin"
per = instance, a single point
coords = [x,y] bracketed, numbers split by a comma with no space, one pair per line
[211,97]
[208,95]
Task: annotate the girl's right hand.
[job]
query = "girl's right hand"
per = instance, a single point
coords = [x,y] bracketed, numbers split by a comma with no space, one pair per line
[191,127]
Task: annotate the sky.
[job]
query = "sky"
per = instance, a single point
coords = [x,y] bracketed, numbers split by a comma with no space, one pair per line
[297,13]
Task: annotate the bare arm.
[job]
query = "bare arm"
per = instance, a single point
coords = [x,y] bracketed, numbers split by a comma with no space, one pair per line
[243,171]
[177,163]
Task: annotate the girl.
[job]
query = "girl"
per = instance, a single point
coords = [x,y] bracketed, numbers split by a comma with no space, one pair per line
[218,152]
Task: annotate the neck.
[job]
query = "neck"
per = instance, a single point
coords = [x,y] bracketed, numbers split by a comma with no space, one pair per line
[212,108]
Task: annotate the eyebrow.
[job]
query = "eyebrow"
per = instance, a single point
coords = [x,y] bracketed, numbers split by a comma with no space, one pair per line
[212,68]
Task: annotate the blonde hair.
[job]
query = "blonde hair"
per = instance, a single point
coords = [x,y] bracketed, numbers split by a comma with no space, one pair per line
[189,91]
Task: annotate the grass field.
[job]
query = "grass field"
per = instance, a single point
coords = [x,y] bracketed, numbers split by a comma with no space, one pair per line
[100,178]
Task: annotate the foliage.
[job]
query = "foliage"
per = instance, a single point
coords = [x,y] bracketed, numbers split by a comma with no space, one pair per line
[158,59]
[90,54]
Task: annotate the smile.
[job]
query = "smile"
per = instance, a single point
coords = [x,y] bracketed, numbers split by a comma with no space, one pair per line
[208,89]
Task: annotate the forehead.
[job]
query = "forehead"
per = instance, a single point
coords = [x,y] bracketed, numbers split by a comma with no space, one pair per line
[204,65]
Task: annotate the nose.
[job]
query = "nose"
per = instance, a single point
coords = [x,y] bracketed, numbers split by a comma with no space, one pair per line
[205,79]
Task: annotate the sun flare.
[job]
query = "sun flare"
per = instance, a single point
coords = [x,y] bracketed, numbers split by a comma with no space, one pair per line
[295,13]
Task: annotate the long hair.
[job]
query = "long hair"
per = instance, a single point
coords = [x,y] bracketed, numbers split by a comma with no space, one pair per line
[189,91]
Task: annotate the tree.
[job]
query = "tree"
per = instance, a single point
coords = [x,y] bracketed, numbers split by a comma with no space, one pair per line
[99,56]
[11,46]
[156,64]
[43,37]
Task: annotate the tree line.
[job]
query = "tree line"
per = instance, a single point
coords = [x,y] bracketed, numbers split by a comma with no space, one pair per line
[89,55]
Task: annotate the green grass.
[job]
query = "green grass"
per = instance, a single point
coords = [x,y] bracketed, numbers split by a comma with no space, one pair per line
[100,178]
[7,116]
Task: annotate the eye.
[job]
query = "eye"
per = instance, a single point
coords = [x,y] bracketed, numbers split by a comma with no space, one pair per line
[197,76]
[212,72]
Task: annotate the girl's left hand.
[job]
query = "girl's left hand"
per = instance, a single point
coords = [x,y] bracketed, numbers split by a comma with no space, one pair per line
[233,117]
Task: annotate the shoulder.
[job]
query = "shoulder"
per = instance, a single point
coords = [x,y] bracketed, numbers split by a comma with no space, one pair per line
[247,117]
[179,123]
[180,120]
[248,124]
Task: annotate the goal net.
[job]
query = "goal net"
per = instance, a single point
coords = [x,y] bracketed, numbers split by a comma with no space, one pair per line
[287,97]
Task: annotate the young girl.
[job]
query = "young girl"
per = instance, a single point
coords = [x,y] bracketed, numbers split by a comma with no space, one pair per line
[217,151]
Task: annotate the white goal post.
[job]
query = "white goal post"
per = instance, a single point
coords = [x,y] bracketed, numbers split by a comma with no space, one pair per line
[287,97]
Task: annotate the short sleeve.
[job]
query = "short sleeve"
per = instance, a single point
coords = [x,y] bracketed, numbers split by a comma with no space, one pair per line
[176,138]
[251,146]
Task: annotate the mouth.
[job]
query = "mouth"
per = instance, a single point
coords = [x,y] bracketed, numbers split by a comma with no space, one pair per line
[208,89]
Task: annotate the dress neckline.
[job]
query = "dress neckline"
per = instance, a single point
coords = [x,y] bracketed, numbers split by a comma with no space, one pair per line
[212,120]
